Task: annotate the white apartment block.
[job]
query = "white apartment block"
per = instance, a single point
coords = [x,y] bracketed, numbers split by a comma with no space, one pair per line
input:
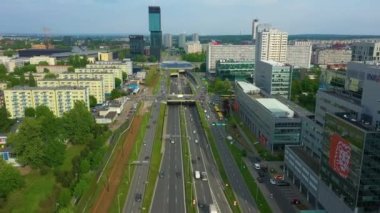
[273,77]
[167,40]
[271,44]
[227,52]
[125,66]
[366,51]
[59,100]
[193,47]
[299,54]
[55,69]
[38,59]
[95,86]
[108,79]
[182,40]
[117,73]
[332,56]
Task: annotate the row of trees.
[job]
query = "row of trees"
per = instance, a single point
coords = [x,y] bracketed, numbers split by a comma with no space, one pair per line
[18,76]
[220,87]
[143,58]
[194,57]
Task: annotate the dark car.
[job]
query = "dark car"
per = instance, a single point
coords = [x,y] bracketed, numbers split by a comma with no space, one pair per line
[201,205]
[162,174]
[260,179]
[295,201]
[282,183]
[138,197]
[261,173]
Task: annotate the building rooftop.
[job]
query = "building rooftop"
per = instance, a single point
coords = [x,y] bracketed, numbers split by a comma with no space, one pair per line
[363,124]
[312,163]
[344,95]
[46,88]
[248,87]
[274,63]
[277,108]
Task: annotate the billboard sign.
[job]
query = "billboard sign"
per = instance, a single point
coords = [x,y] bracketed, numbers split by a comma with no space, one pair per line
[340,155]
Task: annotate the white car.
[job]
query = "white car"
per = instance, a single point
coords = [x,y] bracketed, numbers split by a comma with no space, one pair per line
[273,181]
[196,140]
[194,131]
[172,141]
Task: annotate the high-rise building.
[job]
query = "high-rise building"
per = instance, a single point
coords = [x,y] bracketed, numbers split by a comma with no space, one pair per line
[155,31]
[182,40]
[167,41]
[195,37]
[332,56]
[273,77]
[136,44]
[193,47]
[105,56]
[299,54]
[365,51]
[255,22]
[271,44]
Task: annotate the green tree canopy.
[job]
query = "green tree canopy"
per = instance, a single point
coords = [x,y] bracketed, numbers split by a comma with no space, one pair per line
[44,63]
[77,61]
[115,93]
[117,82]
[10,179]
[93,101]
[5,122]
[32,81]
[30,112]
[194,57]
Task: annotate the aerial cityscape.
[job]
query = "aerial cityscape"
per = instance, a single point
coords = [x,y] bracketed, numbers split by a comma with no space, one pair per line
[202,107]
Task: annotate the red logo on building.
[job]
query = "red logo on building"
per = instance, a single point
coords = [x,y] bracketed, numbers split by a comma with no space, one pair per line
[340,155]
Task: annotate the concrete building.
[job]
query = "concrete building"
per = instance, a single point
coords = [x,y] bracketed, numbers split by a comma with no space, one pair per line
[105,56]
[136,44]
[273,77]
[125,66]
[38,59]
[2,99]
[193,47]
[155,31]
[235,70]
[299,54]
[182,40]
[108,79]
[3,141]
[332,56]
[271,44]
[95,86]
[167,40]
[366,51]
[227,52]
[59,99]
[55,69]
[274,123]
[255,22]
[117,73]
[195,37]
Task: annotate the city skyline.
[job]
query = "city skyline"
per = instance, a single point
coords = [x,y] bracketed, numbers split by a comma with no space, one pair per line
[228,17]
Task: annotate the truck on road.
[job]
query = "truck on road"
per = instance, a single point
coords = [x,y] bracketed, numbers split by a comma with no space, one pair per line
[212,209]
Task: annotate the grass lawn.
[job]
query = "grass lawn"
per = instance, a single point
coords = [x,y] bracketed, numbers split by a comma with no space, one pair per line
[155,161]
[37,188]
[71,152]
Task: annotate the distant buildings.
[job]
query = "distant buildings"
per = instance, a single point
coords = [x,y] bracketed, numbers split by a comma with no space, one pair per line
[105,56]
[181,40]
[108,78]
[155,31]
[193,47]
[366,51]
[167,41]
[228,52]
[299,54]
[59,99]
[195,37]
[332,56]
[235,70]
[136,44]
[271,44]
[273,77]
[255,22]
[38,59]
[124,66]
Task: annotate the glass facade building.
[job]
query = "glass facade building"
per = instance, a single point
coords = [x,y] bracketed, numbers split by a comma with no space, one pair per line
[235,70]
[155,31]
[350,162]
[136,43]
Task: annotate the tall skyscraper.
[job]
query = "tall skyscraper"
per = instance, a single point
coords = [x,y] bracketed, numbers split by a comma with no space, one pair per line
[182,40]
[195,37]
[271,44]
[155,31]
[255,22]
[167,41]
[136,43]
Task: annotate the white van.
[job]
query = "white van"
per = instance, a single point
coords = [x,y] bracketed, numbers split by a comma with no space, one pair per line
[257,166]
[197,175]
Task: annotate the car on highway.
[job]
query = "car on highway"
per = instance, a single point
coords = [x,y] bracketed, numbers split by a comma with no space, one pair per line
[171,141]
[194,131]
[283,183]
[138,197]
[196,140]
[257,166]
[260,179]
[204,176]
[197,175]
[162,174]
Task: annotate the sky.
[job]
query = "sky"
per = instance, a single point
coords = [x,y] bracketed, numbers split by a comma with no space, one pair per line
[206,17]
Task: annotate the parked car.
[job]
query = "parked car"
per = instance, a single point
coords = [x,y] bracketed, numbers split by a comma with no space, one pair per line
[283,183]
[162,174]
[260,179]
[273,181]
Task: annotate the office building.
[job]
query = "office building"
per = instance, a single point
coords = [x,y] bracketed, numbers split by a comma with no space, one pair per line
[332,56]
[125,66]
[299,54]
[108,79]
[117,73]
[38,59]
[195,37]
[58,99]
[274,123]
[366,51]
[136,44]
[228,52]
[167,41]
[193,47]
[235,70]
[155,31]
[95,86]
[273,77]
[271,44]
[181,40]
[105,56]
[255,22]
